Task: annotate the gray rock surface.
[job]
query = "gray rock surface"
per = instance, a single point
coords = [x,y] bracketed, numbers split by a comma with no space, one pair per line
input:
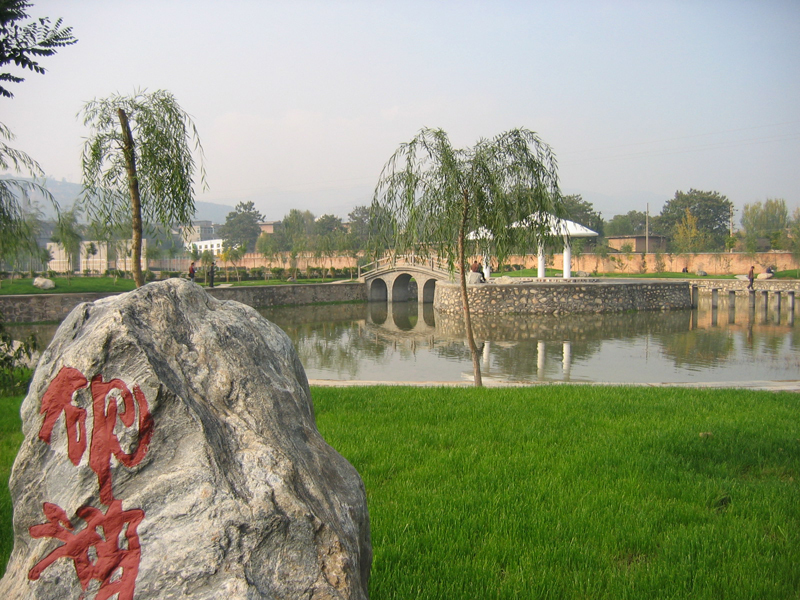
[43,283]
[171,451]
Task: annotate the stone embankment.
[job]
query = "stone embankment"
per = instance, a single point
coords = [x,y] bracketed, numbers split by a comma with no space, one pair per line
[589,296]
[740,285]
[37,308]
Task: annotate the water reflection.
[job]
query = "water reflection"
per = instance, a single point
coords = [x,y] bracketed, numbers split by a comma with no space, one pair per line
[409,342]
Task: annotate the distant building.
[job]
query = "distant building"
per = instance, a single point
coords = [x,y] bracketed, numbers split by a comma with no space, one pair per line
[268,227]
[215,246]
[198,231]
[638,243]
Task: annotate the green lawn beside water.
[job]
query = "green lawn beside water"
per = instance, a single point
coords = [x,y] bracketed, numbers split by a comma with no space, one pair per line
[562,491]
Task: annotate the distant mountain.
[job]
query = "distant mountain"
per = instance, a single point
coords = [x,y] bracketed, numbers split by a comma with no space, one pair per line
[65,193]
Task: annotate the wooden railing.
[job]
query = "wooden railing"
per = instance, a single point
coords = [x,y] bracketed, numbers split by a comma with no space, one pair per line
[390,263]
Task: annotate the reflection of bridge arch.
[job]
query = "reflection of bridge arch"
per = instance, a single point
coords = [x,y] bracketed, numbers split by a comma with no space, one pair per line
[388,279]
[407,319]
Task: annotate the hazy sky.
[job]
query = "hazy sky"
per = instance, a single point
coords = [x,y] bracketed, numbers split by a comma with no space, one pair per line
[299,104]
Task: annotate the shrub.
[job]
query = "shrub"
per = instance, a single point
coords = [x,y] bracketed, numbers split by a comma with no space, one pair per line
[13,356]
[660,266]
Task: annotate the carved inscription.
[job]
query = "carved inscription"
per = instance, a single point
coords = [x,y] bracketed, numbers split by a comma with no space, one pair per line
[107,549]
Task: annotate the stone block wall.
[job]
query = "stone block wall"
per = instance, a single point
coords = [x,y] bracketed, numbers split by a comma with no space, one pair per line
[37,308]
[278,295]
[740,286]
[558,298]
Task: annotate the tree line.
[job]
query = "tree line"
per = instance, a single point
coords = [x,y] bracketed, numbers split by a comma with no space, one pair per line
[700,221]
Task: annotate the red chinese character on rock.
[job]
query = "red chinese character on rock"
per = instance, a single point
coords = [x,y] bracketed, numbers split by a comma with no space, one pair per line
[114,567]
[117,557]
[58,399]
[111,400]
[105,443]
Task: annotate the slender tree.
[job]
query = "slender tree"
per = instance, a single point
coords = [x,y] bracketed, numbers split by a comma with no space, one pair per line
[206,259]
[794,237]
[437,194]
[138,164]
[226,256]
[237,254]
[68,236]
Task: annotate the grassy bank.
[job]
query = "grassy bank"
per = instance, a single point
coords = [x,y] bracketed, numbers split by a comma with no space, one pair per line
[77,285]
[575,492]
[564,491]
[10,440]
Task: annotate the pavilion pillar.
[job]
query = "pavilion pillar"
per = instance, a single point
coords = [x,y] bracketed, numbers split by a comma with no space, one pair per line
[567,259]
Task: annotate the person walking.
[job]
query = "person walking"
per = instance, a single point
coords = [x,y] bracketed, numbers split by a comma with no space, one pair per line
[191,272]
[750,277]
[211,270]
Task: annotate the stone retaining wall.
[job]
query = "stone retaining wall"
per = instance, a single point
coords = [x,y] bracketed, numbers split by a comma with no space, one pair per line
[36,308]
[740,286]
[562,298]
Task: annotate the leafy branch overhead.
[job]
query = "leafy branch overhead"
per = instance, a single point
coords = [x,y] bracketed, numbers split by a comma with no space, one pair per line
[24,45]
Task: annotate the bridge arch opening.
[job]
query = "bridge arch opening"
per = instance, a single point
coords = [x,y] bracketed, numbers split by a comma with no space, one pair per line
[428,290]
[378,292]
[400,291]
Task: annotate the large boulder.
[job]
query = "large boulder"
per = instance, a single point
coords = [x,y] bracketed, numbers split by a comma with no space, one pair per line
[43,283]
[171,451]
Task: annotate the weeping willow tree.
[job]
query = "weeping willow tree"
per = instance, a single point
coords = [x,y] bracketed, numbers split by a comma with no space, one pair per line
[138,164]
[15,195]
[437,195]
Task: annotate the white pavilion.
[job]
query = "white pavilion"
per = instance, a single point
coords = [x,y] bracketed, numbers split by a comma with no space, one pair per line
[558,227]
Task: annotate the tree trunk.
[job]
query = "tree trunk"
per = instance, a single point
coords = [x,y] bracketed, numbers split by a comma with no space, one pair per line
[476,360]
[136,200]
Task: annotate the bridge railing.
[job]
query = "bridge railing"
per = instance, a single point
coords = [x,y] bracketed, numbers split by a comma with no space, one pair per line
[388,263]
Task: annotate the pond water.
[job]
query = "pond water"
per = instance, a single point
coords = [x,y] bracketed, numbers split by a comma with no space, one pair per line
[410,342]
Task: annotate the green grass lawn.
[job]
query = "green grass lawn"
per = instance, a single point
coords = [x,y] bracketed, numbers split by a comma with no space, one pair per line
[575,492]
[74,285]
[108,284]
[563,491]
[10,440]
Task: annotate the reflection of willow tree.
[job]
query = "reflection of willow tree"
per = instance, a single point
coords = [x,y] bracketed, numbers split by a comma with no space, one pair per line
[699,347]
[329,338]
[772,344]
[518,357]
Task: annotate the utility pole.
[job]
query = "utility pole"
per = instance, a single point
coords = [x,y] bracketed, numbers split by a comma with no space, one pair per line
[730,226]
[647,229]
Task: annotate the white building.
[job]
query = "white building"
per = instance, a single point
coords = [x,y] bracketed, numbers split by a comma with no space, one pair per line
[215,246]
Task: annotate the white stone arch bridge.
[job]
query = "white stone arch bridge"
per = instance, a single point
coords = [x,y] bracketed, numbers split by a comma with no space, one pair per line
[388,278]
